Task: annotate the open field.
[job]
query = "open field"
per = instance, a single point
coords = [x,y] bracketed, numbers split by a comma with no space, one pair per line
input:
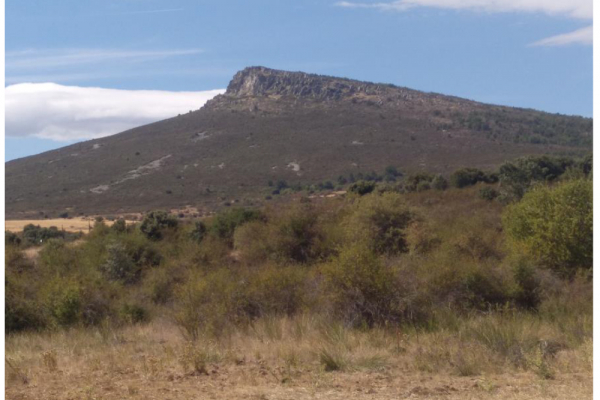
[80,224]
[298,358]
[70,225]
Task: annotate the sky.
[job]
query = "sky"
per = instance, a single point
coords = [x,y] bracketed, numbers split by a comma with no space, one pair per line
[77,70]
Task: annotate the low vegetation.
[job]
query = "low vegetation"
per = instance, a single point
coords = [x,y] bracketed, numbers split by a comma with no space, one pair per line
[465,279]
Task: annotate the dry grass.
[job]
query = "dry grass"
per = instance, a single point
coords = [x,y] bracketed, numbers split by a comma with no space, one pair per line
[69,225]
[280,358]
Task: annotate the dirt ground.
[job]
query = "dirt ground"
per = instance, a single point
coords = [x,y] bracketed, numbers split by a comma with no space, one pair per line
[252,381]
[146,363]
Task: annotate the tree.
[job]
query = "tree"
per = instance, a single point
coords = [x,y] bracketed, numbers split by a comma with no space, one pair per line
[156,222]
[553,226]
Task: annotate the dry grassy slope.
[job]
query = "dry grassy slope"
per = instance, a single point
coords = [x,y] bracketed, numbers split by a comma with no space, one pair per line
[266,125]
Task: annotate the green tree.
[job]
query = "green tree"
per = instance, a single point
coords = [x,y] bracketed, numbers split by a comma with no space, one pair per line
[553,226]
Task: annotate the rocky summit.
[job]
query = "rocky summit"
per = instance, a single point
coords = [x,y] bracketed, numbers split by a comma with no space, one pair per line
[274,126]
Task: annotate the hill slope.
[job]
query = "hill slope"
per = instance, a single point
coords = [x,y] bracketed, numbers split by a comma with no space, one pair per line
[276,125]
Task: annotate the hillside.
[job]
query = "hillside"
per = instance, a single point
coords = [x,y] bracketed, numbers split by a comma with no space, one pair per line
[274,125]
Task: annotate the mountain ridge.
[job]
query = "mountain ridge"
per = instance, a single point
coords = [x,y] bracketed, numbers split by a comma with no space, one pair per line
[280,125]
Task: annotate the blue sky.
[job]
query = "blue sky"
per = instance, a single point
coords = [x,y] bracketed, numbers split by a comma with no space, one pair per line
[524,53]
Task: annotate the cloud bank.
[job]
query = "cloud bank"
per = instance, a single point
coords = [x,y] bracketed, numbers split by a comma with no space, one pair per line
[577,9]
[69,113]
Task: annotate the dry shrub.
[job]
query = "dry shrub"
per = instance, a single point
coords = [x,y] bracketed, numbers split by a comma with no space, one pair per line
[360,288]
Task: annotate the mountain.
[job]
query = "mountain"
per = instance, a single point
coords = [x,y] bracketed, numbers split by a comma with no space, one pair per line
[274,125]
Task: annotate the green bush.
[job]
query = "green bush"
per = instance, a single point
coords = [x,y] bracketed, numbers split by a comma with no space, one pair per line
[362,187]
[11,239]
[519,176]
[467,177]
[296,236]
[209,303]
[36,235]
[276,290]
[118,265]
[439,183]
[159,285]
[488,193]
[133,313]
[418,182]
[22,310]
[553,226]
[224,224]
[119,226]
[57,256]
[360,287]
[156,222]
[199,232]
[380,221]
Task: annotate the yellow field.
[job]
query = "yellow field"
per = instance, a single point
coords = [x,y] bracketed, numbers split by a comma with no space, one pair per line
[70,225]
[276,359]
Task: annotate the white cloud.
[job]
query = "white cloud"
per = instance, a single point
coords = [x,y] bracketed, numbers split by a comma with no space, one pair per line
[581,36]
[572,8]
[36,59]
[66,113]
[578,9]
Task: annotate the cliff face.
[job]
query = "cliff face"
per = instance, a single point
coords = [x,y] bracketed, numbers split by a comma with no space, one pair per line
[275,125]
[261,81]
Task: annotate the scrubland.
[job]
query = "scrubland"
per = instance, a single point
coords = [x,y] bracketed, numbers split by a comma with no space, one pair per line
[388,292]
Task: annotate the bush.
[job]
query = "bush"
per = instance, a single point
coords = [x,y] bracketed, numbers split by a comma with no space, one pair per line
[118,265]
[439,183]
[519,176]
[423,186]
[119,226]
[380,221]
[467,177]
[224,224]
[275,290]
[553,226]
[156,222]
[296,235]
[488,193]
[159,285]
[56,256]
[208,304]
[362,187]
[133,313]
[359,287]
[418,182]
[11,239]
[22,311]
[66,305]
[36,235]
[253,242]
[199,231]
